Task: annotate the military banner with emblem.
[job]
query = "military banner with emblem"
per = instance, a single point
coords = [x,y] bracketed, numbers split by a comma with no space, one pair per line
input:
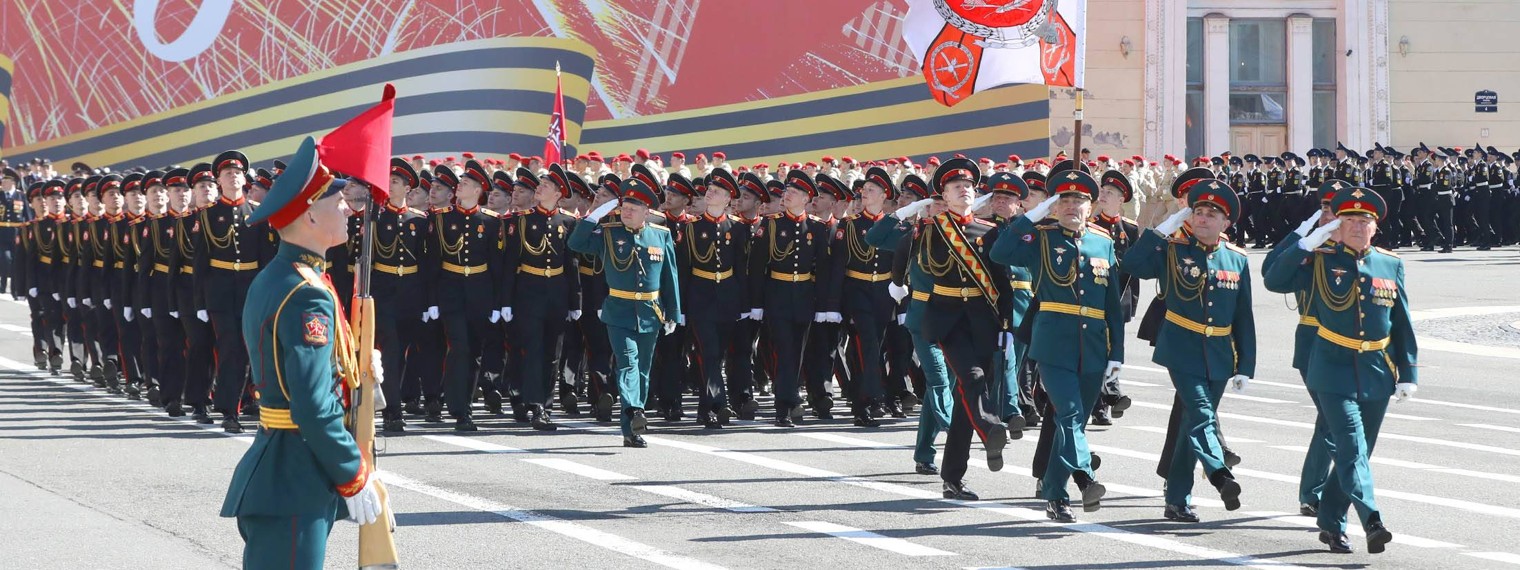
[967,46]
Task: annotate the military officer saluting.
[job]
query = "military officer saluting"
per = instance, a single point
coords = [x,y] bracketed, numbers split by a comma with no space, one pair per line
[1364,352]
[643,294]
[1077,337]
[304,470]
[1208,339]
[397,285]
[226,261]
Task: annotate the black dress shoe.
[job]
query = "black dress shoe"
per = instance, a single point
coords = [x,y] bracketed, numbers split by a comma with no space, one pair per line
[230,424]
[1096,462]
[567,400]
[925,468]
[541,420]
[891,408]
[465,424]
[413,408]
[132,391]
[434,412]
[1120,404]
[1308,509]
[1446,249]
[909,401]
[1101,417]
[201,416]
[55,363]
[866,421]
[1338,541]
[637,422]
[672,413]
[397,425]
[1229,491]
[1184,513]
[1378,537]
[519,412]
[959,491]
[710,421]
[1092,497]
[725,415]
[77,370]
[1230,458]
[493,402]
[823,407]
[1015,427]
[604,408]
[795,413]
[634,441]
[785,421]
[748,409]
[877,410]
[1059,511]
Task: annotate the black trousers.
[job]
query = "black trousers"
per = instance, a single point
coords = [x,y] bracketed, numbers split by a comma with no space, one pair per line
[976,409]
[1437,222]
[393,334]
[129,347]
[709,342]
[231,361]
[464,335]
[866,360]
[170,341]
[595,367]
[818,359]
[536,343]
[200,360]
[424,362]
[787,339]
[903,374]
[740,363]
[669,374]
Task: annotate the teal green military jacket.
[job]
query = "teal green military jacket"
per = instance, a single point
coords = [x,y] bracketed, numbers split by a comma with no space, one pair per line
[303,460]
[1209,326]
[1080,323]
[1365,341]
[1308,322]
[642,287]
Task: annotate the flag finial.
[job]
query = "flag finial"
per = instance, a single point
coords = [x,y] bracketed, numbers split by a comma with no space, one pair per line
[556,67]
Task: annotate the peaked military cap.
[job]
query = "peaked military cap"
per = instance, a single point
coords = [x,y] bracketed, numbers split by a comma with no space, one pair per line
[556,174]
[1330,188]
[832,187]
[1358,201]
[915,185]
[1007,183]
[132,183]
[399,167]
[643,173]
[1034,180]
[442,175]
[525,178]
[200,172]
[1216,193]
[265,180]
[11,174]
[682,185]
[612,183]
[306,181]
[878,176]
[800,180]
[578,185]
[108,183]
[636,189]
[1119,180]
[1074,182]
[952,170]
[229,159]
[1188,178]
[724,179]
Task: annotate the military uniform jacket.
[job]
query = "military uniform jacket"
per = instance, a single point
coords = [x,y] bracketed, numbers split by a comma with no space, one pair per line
[643,290]
[1349,172]
[396,281]
[71,268]
[341,258]
[1365,342]
[1424,175]
[1316,177]
[860,271]
[187,240]
[714,268]
[1308,322]
[13,217]
[788,257]
[1209,326]
[227,257]
[966,287]
[458,258]
[1125,232]
[1018,278]
[158,265]
[125,249]
[104,267]
[539,275]
[1381,175]
[302,461]
[1080,323]
[47,256]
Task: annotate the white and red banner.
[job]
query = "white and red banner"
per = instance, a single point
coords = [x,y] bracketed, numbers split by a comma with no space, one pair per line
[966,46]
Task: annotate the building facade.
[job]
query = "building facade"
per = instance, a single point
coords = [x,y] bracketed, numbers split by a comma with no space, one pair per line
[1196,77]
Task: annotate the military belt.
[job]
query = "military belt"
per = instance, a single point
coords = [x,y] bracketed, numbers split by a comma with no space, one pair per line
[99,264]
[275,418]
[161,268]
[1446,193]
[633,295]
[187,270]
[12,224]
[1070,309]
[397,270]
[872,277]
[540,271]
[957,292]
[1308,321]
[586,270]
[1352,343]
[791,277]
[710,276]
[119,265]
[45,259]
[235,265]
[465,270]
[921,296]
[1021,285]
[1197,327]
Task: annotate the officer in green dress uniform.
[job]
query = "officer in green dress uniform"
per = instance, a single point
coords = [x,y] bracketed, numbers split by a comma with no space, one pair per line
[643,292]
[539,289]
[1208,338]
[304,470]
[713,266]
[1077,336]
[1007,186]
[1364,351]
[1316,468]
[226,261]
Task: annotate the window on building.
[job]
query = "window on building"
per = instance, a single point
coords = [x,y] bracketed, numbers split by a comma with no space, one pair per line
[1194,131]
[1324,48]
[1258,71]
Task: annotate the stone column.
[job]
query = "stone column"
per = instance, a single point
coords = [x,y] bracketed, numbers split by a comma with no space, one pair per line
[1300,82]
[1216,83]
[1165,78]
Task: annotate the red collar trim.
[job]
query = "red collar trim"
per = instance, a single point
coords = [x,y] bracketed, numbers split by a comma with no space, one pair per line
[237,202]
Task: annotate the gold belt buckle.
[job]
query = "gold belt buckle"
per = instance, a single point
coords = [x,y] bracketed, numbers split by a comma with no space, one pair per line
[1366,346]
[237,266]
[1208,330]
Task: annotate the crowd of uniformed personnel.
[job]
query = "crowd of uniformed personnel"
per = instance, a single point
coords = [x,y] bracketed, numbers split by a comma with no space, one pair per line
[995,296]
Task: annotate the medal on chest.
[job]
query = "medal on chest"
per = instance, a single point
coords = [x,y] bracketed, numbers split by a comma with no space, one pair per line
[1339,273]
[1060,252]
[655,253]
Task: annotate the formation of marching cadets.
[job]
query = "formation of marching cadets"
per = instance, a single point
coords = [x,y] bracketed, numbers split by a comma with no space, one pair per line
[994,297]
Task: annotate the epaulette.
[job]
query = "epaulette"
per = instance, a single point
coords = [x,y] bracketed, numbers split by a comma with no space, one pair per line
[1047,224]
[491,213]
[1325,250]
[814,218]
[985,222]
[657,226]
[253,203]
[850,217]
[1124,219]
[1386,252]
[1232,247]
[1099,229]
[775,216]
[416,211]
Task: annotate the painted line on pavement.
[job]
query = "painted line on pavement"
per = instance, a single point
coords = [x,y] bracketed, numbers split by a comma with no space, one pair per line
[580,469]
[1492,427]
[1162,431]
[1391,415]
[1300,386]
[16,329]
[475,444]
[1496,556]
[703,499]
[870,539]
[1421,466]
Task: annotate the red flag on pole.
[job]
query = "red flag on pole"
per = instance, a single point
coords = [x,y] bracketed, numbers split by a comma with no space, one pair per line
[362,147]
[554,144]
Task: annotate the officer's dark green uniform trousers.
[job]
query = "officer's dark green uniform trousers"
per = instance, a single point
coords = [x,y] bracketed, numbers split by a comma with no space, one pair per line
[1316,469]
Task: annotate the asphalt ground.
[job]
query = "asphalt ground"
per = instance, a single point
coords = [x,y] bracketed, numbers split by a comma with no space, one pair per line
[89,480]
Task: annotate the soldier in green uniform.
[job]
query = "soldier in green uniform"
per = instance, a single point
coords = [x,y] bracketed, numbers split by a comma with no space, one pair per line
[1363,353]
[1208,339]
[304,470]
[1007,189]
[1077,336]
[643,292]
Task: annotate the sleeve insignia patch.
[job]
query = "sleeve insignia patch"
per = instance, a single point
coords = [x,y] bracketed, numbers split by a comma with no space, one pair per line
[316,326]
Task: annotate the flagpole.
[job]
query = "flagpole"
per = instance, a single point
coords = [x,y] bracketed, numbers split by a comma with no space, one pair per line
[1076,152]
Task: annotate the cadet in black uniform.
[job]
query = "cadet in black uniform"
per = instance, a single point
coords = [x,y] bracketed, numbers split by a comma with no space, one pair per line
[226,260]
[397,284]
[671,372]
[160,268]
[199,336]
[712,266]
[858,290]
[13,215]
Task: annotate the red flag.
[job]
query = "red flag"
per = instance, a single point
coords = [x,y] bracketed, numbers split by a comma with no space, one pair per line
[362,147]
[554,144]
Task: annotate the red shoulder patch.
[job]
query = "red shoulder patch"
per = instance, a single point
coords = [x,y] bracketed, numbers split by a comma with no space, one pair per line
[317,325]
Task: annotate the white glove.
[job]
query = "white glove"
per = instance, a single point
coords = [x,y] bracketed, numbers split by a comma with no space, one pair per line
[681,319]
[1263,199]
[1404,391]
[377,369]
[898,292]
[55,296]
[902,318]
[743,315]
[1318,236]
[601,210]
[820,317]
[833,317]
[981,201]
[1308,225]
[1039,212]
[32,292]
[364,507]
[598,313]
[1238,383]
[126,313]
[1111,373]
[147,312]
[506,314]
[87,302]
[424,316]
[73,304]
[573,316]
[670,327]
[433,313]
[1174,222]
[201,314]
[757,314]
[495,316]
[107,303]
[174,314]
[914,209]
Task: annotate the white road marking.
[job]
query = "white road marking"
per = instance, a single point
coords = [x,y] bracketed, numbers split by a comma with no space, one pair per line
[1496,556]
[475,444]
[1256,399]
[16,329]
[1354,530]
[871,539]
[1492,427]
[855,441]
[1162,431]
[1464,406]
[1408,417]
[702,499]
[580,469]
